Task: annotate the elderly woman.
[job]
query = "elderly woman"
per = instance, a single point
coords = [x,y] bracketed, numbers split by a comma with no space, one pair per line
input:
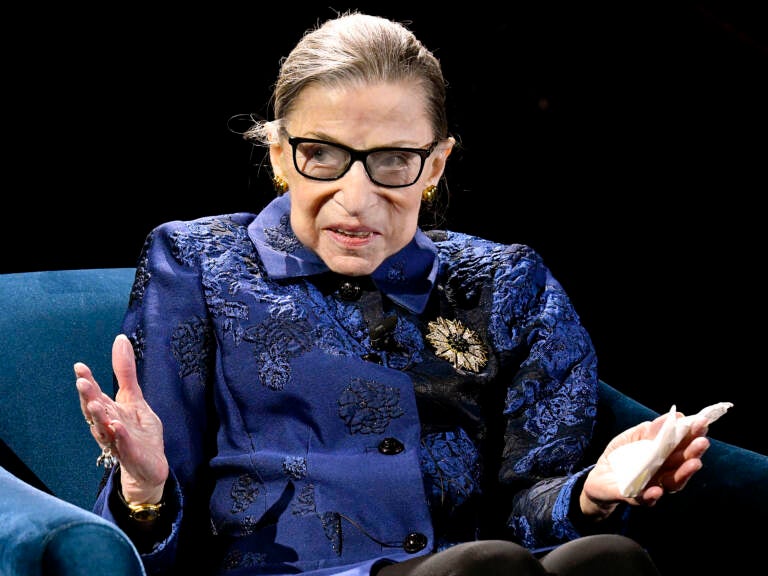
[326,388]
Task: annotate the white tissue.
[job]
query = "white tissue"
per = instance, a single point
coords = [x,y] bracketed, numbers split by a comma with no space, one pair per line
[635,463]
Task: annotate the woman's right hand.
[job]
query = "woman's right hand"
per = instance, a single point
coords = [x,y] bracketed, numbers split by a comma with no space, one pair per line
[126,425]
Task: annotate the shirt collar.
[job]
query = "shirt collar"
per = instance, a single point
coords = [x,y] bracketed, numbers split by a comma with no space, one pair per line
[406,277]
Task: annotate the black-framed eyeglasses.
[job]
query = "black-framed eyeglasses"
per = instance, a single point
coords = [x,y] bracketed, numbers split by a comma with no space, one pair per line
[387,167]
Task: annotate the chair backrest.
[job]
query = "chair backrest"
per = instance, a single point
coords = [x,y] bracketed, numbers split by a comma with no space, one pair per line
[48,321]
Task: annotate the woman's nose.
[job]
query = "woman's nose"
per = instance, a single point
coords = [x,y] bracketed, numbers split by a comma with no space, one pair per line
[357,191]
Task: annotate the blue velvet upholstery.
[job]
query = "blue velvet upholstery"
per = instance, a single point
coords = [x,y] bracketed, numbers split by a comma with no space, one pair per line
[720,520]
[49,320]
[41,534]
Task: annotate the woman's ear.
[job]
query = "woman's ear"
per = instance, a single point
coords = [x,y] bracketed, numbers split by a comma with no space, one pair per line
[440,158]
[276,156]
[276,147]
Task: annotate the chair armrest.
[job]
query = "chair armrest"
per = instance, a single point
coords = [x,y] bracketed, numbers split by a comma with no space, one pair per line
[721,512]
[43,534]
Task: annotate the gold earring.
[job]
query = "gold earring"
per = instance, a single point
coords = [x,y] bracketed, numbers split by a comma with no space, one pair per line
[280,184]
[429,193]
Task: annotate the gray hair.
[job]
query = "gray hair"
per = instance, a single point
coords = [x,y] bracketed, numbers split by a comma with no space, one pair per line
[355,48]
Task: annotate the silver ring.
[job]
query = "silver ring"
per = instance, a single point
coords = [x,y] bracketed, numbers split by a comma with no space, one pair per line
[106,458]
[90,422]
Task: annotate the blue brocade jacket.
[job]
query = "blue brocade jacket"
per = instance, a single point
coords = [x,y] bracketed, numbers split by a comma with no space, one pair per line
[320,424]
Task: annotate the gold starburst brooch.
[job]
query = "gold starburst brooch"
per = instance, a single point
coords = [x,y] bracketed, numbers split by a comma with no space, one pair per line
[458,344]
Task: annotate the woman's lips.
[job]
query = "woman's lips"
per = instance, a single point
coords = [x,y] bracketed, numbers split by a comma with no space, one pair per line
[352,233]
[351,238]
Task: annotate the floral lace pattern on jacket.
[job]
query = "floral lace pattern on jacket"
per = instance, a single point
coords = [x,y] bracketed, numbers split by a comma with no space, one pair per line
[531,399]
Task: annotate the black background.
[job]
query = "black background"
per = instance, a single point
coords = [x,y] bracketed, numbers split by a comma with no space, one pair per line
[627,144]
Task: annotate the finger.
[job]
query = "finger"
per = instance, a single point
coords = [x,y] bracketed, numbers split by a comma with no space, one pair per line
[101,430]
[682,475]
[674,479]
[637,432]
[87,389]
[83,386]
[699,427]
[650,494]
[697,447]
[124,367]
[82,371]
[657,423]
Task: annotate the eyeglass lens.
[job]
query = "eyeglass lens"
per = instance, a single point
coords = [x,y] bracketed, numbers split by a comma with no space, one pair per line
[325,161]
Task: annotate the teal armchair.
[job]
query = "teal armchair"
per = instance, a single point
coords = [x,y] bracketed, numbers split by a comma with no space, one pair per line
[49,477]
[48,473]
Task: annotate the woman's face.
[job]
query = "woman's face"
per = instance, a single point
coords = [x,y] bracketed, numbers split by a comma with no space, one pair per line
[352,223]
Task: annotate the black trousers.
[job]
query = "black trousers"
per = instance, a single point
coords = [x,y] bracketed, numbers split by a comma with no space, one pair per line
[596,555]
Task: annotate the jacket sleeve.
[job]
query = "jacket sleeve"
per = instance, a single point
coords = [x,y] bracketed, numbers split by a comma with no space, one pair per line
[550,404]
[168,325]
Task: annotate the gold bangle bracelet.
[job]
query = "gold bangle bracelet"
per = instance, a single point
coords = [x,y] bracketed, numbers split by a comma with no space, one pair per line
[143,513]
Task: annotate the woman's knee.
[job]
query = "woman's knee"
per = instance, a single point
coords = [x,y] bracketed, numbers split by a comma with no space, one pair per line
[487,557]
[600,554]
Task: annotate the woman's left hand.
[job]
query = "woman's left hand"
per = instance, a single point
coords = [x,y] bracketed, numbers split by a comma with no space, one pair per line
[601,493]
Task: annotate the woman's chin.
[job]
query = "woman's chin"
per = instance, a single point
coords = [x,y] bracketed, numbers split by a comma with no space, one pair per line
[352,265]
